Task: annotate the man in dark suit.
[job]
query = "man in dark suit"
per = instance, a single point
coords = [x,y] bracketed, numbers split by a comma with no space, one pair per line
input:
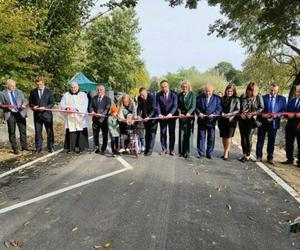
[39,99]
[292,129]
[167,104]
[100,106]
[208,106]
[147,109]
[270,124]
[15,114]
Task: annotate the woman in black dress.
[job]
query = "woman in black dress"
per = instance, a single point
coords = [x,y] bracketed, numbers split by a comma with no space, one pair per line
[251,104]
[227,122]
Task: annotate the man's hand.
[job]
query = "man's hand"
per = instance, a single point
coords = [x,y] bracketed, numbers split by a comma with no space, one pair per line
[201,116]
[169,115]
[211,116]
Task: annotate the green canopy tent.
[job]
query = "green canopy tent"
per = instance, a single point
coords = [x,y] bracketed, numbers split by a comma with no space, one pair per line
[86,84]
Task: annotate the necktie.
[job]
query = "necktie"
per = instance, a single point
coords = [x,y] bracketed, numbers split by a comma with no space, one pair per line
[165,97]
[271,104]
[99,98]
[14,101]
[145,109]
[40,93]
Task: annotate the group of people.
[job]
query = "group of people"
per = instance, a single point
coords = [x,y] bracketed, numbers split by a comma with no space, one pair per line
[250,111]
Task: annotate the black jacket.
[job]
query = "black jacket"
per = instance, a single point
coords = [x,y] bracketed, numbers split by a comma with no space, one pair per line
[102,108]
[47,101]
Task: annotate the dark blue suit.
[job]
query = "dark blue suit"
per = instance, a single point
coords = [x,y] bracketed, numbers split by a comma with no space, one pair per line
[147,108]
[292,131]
[269,127]
[207,125]
[165,107]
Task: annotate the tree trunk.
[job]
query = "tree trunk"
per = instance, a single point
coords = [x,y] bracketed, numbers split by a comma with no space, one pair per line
[296,82]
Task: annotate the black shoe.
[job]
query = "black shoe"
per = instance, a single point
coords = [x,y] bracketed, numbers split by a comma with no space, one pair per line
[185,156]
[209,157]
[24,149]
[51,150]
[16,151]
[287,162]
[270,161]
[148,153]
[97,151]
[172,153]
[244,159]
[102,152]
[37,151]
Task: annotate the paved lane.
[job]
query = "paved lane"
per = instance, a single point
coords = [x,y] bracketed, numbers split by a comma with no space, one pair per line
[162,203]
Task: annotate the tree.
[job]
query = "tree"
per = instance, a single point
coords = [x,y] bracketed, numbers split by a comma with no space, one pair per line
[263,26]
[264,70]
[113,50]
[19,47]
[231,74]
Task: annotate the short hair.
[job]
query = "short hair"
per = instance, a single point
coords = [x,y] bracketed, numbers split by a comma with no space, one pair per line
[274,85]
[163,81]
[231,86]
[39,79]
[10,81]
[142,89]
[188,84]
[100,85]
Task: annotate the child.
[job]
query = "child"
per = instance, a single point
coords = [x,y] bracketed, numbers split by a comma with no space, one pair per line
[140,130]
[114,130]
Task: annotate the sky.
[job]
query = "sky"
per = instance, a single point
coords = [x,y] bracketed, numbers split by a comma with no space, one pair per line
[174,38]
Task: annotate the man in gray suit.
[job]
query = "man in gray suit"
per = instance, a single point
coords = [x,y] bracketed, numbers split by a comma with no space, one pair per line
[100,105]
[15,114]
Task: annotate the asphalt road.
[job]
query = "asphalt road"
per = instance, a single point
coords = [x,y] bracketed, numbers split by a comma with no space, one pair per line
[164,202]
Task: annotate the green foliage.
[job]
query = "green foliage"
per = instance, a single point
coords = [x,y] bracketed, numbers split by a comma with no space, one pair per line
[231,74]
[113,49]
[264,70]
[19,47]
[198,80]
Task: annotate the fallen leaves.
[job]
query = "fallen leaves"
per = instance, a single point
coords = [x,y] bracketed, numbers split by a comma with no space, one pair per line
[221,188]
[2,203]
[228,207]
[104,245]
[74,229]
[13,243]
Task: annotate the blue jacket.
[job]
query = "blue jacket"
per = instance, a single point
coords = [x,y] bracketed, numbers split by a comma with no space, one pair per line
[169,107]
[279,106]
[213,107]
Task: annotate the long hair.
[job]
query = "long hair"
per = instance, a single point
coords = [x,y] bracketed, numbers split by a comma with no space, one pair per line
[231,86]
[121,105]
[252,86]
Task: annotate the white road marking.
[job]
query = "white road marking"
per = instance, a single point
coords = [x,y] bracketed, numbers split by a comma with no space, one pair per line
[28,164]
[274,176]
[63,190]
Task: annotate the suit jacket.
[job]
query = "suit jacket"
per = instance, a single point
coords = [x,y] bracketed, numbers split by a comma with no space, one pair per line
[187,105]
[256,106]
[279,106]
[102,108]
[150,108]
[291,108]
[47,101]
[213,108]
[234,108]
[20,101]
[167,107]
